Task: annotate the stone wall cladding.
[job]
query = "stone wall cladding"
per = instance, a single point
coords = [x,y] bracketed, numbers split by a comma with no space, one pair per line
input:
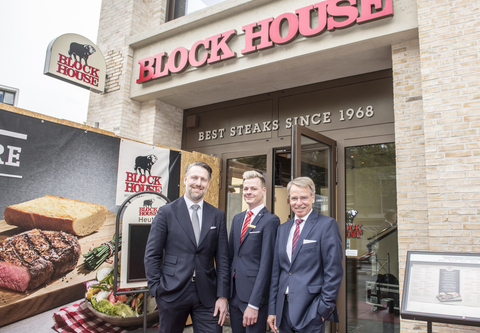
[410,149]
[114,110]
[449,52]
[438,193]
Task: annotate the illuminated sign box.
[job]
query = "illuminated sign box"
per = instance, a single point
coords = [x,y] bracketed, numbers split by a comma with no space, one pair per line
[75,59]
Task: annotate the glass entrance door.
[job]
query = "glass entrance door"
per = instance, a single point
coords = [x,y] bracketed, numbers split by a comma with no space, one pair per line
[371,239]
[369,299]
[315,156]
[235,167]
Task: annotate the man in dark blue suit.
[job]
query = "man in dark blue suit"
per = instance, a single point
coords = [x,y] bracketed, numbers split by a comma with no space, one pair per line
[307,267]
[251,242]
[186,259]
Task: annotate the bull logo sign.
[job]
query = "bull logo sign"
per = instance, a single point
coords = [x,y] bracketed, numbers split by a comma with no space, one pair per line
[141,168]
[76,60]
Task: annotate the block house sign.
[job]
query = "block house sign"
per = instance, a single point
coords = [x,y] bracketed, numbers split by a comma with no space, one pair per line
[76,60]
[265,34]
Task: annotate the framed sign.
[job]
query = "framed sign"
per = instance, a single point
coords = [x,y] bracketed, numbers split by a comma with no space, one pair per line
[442,287]
[136,215]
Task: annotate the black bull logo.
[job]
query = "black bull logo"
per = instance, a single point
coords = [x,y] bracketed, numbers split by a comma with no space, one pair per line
[143,164]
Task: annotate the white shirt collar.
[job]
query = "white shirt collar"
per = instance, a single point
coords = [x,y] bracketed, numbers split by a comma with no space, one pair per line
[257,209]
[305,217]
[190,202]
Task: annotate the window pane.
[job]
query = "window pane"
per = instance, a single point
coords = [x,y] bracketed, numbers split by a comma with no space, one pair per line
[372,239]
[195,5]
[315,164]
[1,96]
[235,169]
[9,98]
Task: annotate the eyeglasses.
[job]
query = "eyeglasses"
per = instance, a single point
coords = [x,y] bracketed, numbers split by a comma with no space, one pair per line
[302,199]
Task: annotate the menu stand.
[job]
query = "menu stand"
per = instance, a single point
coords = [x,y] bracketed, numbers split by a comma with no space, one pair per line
[140,195]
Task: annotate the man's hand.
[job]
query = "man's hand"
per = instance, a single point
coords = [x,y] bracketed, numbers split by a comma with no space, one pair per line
[221,309]
[250,316]
[272,322]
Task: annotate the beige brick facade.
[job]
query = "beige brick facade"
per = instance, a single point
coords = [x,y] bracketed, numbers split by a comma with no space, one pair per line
[152,122]
[436,83]
[437,107]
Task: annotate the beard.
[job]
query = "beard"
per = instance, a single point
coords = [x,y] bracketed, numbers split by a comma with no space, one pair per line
[195,196]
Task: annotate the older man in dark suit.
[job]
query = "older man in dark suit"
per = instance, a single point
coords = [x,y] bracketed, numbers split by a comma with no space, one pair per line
[307,267]
[251,242]
[186,259]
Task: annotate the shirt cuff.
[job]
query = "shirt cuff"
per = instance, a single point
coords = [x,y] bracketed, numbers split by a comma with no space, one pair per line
[253,306]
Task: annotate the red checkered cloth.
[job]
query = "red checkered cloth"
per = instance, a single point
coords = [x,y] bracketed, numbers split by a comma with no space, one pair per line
[77,318]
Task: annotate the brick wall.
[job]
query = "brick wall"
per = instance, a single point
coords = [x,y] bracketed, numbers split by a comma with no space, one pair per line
[437,129]
[410,149]
[114,110]
[449,52]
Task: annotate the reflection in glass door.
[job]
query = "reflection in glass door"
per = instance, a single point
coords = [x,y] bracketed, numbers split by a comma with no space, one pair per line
[371,239]
[314,156]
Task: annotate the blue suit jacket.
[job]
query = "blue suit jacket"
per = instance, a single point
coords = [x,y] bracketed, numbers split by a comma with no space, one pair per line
[251,261]
[171,254]
[314,275]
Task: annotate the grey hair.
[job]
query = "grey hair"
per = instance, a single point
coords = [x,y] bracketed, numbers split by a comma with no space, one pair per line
[304,182]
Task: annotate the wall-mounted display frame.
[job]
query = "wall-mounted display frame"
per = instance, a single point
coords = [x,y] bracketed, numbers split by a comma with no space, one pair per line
[442,287]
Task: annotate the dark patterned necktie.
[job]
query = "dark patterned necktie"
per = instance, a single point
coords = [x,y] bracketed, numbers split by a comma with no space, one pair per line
[296,234]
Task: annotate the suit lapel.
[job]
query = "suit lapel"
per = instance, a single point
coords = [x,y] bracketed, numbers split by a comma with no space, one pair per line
[238,229]
[184,220]
[284,239]
[254,222]
[207,221]
[309,224]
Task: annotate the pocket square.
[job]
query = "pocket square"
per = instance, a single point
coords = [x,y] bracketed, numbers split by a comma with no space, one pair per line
[214,227]
[308,241]
[255,232]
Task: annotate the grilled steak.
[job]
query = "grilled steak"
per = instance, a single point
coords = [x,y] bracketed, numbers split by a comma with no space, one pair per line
[35,257]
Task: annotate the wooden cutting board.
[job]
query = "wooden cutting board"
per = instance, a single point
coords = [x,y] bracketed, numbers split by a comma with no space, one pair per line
[15,306]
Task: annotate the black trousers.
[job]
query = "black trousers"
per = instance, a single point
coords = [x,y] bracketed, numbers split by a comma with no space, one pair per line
[315,326]
[235,306]
[174,315]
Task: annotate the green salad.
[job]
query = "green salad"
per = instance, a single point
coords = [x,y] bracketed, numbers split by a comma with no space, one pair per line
[100,296]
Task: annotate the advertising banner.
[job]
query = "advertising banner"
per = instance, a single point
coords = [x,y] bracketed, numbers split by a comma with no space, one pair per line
[59,187]
[141,167]
[39,157]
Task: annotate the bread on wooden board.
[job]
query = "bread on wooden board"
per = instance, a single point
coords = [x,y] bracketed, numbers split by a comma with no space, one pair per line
[57,213]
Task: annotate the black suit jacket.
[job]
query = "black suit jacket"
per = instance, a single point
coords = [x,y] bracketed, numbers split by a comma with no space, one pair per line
[313,276]
[251,261]
[172,254]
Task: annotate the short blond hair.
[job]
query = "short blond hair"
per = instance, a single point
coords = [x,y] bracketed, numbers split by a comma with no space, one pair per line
[254,174]
[304,182]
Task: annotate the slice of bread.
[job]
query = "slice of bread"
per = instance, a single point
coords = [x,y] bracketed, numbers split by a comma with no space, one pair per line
[57,213]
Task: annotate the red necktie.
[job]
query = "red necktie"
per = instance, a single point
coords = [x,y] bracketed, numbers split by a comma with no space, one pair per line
[245,225]
[296,234]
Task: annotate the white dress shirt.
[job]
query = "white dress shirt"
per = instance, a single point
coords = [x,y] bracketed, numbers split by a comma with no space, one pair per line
[190,210]
[290,235]
[255,212]
[190,203]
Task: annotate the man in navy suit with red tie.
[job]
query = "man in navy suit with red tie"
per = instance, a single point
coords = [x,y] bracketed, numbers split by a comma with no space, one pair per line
[186,259]
[251,243]
[307,267]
